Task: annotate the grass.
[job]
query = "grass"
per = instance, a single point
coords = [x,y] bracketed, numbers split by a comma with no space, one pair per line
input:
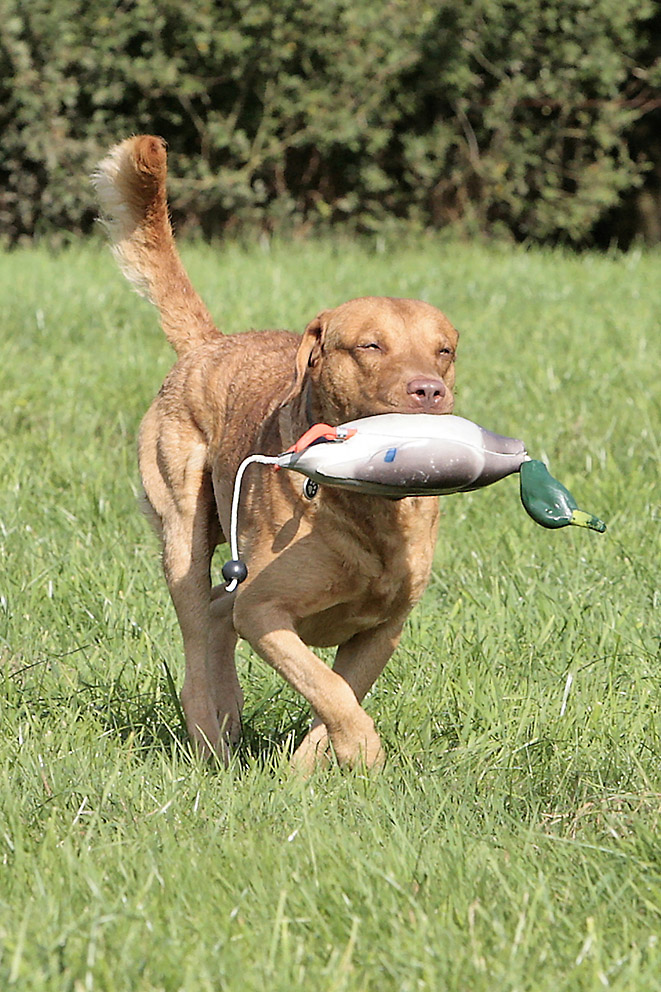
[512,841]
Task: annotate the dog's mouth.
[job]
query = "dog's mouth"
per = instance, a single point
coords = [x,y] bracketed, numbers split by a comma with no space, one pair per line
[444,406]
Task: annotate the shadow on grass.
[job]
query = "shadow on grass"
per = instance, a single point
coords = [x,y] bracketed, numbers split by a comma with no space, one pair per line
[151,718]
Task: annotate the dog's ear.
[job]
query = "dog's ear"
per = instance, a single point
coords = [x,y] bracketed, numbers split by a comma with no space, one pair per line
[311,347]
[309,353]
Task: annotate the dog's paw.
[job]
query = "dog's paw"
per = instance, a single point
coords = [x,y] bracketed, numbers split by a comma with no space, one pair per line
[358,746]
[362,748]
[313,752]
[214,736]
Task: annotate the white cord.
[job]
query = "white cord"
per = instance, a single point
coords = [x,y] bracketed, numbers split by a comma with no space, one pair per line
[234,517]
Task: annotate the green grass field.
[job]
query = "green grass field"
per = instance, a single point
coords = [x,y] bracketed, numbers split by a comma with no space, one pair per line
[512,841]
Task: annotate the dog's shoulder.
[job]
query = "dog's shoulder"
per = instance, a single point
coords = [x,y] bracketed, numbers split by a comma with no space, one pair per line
[231,389]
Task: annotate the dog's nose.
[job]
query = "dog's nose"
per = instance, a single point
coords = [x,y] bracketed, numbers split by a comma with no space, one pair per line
[428,393]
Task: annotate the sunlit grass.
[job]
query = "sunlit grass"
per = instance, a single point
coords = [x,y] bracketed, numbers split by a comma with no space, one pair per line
[512,840]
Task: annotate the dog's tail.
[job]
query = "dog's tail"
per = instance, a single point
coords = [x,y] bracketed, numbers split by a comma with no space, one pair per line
[131,186]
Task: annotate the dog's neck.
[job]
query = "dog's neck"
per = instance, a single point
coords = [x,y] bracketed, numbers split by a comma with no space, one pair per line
[295,417]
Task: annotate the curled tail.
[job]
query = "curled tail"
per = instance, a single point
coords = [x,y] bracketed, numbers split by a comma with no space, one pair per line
[131,186]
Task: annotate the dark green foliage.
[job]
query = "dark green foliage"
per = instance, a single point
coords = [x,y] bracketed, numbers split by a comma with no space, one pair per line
[510,115]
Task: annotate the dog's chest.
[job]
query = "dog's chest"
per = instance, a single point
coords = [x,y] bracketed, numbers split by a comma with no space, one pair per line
[337,624]
[379,567]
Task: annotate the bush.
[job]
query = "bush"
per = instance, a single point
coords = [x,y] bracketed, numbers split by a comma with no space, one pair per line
[496,115]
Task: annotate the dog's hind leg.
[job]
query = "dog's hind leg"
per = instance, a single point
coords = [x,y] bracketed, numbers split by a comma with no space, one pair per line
[186,566]
[180,497]
[224,685]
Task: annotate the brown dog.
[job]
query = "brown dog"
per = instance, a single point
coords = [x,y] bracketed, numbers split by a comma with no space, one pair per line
[339,569]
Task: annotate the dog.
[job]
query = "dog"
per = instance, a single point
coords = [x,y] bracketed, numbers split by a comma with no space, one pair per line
[340,569]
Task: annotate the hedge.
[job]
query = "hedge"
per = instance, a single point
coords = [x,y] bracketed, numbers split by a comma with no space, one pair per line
[512,115]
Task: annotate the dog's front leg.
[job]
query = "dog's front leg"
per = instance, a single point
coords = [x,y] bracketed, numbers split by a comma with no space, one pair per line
[272,635]
[359,661]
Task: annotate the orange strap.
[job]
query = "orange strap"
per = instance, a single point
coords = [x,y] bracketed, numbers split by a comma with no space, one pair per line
[321,432]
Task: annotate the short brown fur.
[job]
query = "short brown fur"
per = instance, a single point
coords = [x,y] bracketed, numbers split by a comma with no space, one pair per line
[341,569]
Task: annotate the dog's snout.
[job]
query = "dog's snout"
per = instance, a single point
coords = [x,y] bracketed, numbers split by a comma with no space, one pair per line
[428,393]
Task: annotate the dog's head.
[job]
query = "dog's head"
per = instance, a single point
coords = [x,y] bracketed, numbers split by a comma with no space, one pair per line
[378,355]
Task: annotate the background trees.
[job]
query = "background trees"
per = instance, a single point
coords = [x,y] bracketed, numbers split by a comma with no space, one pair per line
[534,117]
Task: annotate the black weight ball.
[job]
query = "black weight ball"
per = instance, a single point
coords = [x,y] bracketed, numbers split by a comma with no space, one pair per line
[234,569]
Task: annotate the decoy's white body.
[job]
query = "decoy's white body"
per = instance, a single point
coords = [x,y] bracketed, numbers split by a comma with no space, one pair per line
[408,455]
[396,455]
